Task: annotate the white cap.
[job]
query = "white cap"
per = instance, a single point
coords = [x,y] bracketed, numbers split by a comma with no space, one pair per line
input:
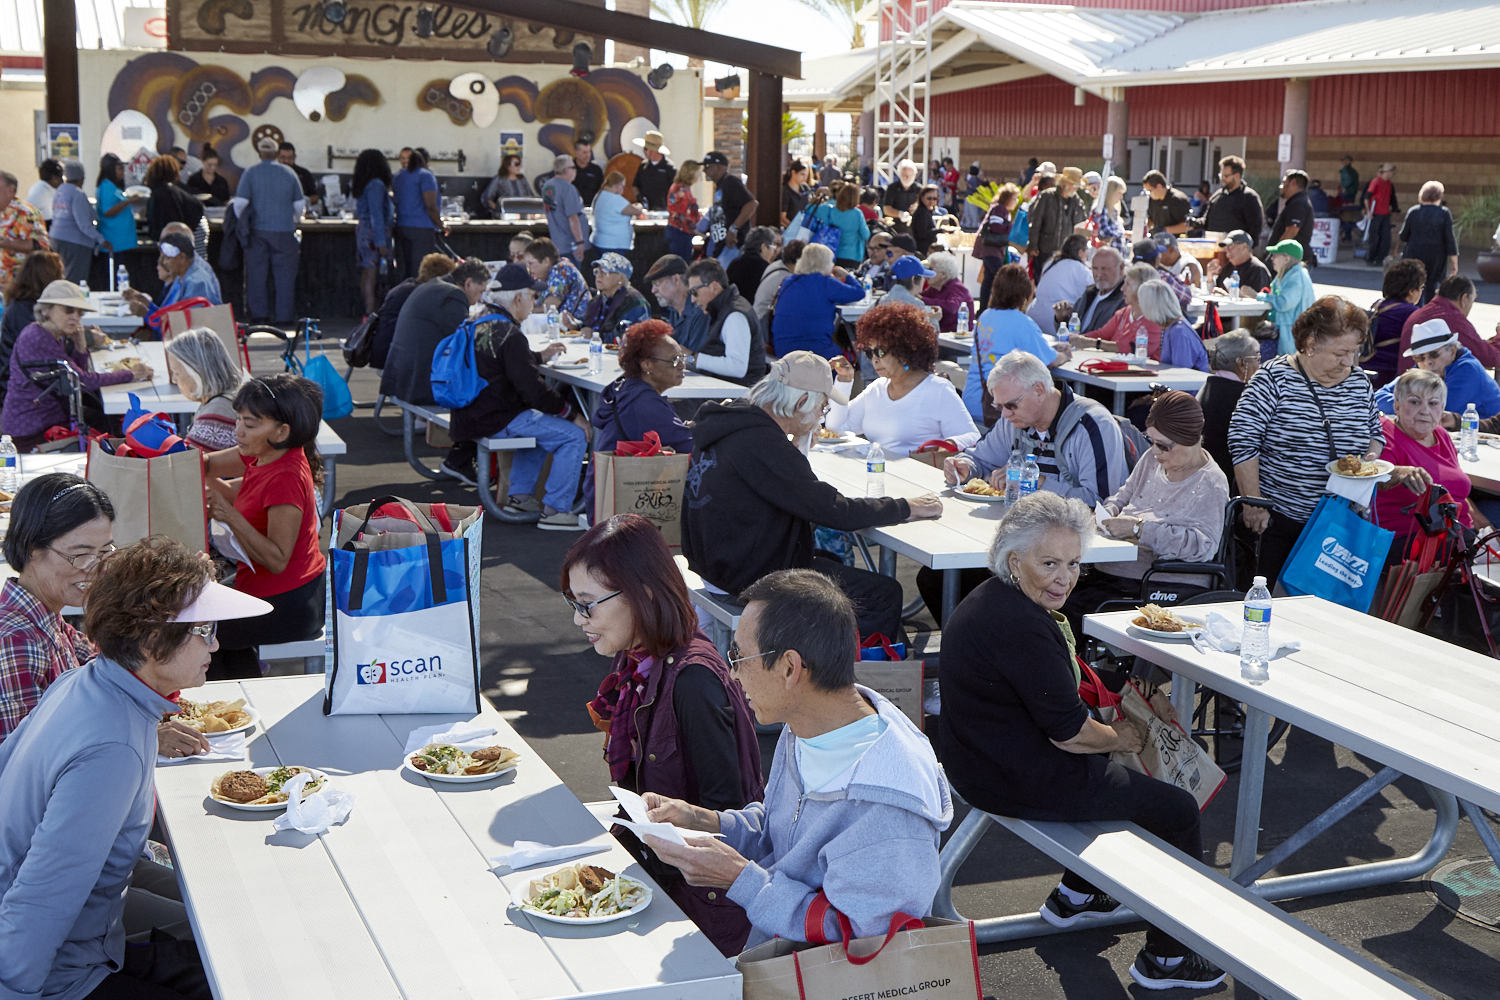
[1259,581]
[218,603]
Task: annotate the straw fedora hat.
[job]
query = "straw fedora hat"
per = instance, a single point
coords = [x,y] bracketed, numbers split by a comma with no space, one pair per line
[653,140]
[1071,175]
[65,293]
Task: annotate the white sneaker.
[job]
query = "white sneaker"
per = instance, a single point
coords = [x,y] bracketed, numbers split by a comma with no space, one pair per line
[561,521]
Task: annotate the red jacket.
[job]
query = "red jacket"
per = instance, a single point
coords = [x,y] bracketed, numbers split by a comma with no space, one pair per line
[1487,351]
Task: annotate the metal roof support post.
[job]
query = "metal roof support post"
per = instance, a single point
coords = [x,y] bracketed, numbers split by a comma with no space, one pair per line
[60,60]
[1116,133]
[1294,111]
[903,78]
[763,146]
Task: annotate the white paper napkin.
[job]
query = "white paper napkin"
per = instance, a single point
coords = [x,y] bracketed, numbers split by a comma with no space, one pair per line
[641,826]
[1223,635]
[316,813]
[227,544]
[230,746]
[1355,490]
[457,733]
[528,853]
[1100,513]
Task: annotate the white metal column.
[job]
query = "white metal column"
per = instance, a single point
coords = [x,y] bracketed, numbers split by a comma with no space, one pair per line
[903,76]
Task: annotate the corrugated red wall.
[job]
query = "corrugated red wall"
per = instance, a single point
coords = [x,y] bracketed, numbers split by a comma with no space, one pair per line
[1042,105]
[1457,103]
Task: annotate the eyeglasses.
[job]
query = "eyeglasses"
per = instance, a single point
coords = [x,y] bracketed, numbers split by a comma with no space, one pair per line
[85,560]
[875,352]
[205,632]
[676,361]
[1014,403]
[587,610]
[736,658]
[1161,445]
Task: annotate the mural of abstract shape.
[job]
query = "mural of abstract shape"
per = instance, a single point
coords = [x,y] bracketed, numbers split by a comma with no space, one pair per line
[128,132]
[555,138]
[212,14]
[266,132]
[146,85]
[268,84]
[310,93]
[520,92]
[203,88]
[435,97]
[626,96]
[576,100]
[357,90]
[480,93]
[225,132]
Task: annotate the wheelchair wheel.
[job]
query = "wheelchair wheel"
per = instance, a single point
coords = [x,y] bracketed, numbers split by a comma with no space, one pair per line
[1219,727]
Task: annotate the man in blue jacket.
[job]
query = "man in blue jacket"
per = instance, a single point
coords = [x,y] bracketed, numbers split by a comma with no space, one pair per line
[855,801]
[1436,348]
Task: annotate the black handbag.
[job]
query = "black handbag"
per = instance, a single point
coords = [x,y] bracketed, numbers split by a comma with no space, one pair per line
[361,340]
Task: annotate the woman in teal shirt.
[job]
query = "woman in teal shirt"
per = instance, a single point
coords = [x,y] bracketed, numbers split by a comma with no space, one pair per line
[116,212]
[845,214]
[1291,291]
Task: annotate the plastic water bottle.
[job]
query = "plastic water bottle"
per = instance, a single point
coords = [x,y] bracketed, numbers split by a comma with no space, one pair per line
[1031,475]
[1468,435]
[1142,343]
[875,471]
[122,278]
[1232,284]
[596,354]
[1255,646]
[554,323]
[1013,471]
[83,286]
[10,466]
[963,320]
[1075,325]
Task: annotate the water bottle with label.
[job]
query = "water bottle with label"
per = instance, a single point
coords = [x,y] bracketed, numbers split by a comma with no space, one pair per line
[10,466]
[1142,343]
[963,320]
[122,278]
[875,471]
[1232,285]
[1075,325]
[596,354]
[554,324]
[1468,435]
[1255,645]
[1013,470]
[1031,476]
[83,286]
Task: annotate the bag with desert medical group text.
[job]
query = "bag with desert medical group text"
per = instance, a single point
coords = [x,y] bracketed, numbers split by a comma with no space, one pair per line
[403,609]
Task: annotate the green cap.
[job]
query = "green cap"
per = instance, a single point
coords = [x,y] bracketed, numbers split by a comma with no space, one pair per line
[1291,248]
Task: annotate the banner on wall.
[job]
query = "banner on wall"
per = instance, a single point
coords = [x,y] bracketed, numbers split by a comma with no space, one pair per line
[63,141]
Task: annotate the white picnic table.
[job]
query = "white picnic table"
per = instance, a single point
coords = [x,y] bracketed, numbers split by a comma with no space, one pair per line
[587,387]
[1186,379]
[111,318]
[1417,705]
[400,900]
[1484,473]
[959,539]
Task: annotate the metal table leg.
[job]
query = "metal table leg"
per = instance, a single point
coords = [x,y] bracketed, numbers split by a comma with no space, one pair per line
[887,561]
[1184,697]
[1252,780]
[1119,402]
[950,594]
[330,477]
[408,441]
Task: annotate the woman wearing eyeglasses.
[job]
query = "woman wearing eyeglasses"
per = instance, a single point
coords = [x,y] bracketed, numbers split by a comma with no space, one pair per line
[907,405]
[631,405]
[676,722]
[272,511]
[1171,507]
[77,788]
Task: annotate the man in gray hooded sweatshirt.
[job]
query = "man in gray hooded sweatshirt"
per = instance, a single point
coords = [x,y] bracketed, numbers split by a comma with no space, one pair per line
[855,801]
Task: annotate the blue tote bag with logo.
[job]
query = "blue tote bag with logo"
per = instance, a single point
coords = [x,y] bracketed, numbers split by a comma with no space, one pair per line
[403,609]
[1339,556]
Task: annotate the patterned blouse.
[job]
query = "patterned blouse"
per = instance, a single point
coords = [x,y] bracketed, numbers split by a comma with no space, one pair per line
[19,221]
[682,208]
[1111,232]
[565,283]
[36,646]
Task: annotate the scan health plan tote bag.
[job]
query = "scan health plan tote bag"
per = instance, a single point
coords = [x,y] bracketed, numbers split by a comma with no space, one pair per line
[403,609]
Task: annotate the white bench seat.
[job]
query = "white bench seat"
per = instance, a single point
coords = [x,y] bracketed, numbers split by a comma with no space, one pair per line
[410,413]
[330,446]
[723,617]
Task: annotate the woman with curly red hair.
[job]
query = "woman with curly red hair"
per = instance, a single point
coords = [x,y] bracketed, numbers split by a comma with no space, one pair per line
[908,405]
[633,404]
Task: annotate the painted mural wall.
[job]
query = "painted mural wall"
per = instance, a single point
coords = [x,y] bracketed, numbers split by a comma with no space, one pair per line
[164,99]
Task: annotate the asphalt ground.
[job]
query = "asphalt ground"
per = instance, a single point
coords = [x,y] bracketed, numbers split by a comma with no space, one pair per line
[539,671]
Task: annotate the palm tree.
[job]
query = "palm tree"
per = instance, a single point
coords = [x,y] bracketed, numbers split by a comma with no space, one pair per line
[693,13]
[841,13]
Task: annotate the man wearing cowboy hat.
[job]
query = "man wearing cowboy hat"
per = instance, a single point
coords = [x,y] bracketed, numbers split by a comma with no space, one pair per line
[653,178]
[1056,211]
[1436,348]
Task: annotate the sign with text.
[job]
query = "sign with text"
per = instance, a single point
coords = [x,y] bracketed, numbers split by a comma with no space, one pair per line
[369,28]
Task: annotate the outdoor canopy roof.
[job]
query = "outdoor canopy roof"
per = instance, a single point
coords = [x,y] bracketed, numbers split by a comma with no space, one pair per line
[977,43]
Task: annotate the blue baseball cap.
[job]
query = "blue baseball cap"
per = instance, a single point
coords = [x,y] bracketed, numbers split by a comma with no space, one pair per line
[910,267]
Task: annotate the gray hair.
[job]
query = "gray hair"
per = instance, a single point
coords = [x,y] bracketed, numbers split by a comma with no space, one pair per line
[816,259]
[10,178]
[1139,274]
[759,236]
[1420,380]
[944,265]
[770,393]
[1226,352]
[561,162]
[202,350]
[1159,303]
[1431,193]
[1027,368]
[1032,517]
[505,298]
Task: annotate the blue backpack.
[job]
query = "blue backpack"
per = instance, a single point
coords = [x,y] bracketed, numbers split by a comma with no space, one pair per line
[455,375]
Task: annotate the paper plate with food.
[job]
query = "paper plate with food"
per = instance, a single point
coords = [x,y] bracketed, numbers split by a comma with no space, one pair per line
[826,436]
[1159,623]
[261,789]
[979,491]
[446,762]
[1355,467]
[564,362]
[581,894]
[215,718]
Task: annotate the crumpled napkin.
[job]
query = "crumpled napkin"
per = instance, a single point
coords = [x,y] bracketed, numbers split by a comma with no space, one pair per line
[316,813]
[457,733]
[1223,635]
[1355,490]
[230,746]
[529,852]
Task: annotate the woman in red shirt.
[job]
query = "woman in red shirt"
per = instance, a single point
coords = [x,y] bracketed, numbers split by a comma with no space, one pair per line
[1123,325]
[273,514]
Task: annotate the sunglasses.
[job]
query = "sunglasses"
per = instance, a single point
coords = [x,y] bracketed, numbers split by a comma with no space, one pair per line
[587,610]
[1161,445]
[676,361]
[876,352]
[695,289]
[1014,403]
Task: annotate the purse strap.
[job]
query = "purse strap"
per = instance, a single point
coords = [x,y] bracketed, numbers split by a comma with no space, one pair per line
[362,556]
[1327,424]
[819,908]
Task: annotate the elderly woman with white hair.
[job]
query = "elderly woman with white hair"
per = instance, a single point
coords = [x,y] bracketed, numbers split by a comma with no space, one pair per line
[1119,332]
[752,499]
[1427,235]
[205,373]
[1232,359]
[1018,740]
[1181,347]
[1422,452]
[901,196]
[807,307]
[945,289]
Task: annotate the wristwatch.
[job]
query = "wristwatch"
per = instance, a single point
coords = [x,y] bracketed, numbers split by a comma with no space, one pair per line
[1136,533]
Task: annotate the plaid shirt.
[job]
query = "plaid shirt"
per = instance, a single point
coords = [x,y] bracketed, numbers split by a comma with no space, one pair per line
[36,646]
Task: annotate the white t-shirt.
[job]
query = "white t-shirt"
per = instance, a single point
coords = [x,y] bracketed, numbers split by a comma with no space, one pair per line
[40,197]
[932,411]
[1063,281]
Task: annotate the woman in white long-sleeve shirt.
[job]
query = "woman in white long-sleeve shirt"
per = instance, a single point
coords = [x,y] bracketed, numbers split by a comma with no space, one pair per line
[908,405]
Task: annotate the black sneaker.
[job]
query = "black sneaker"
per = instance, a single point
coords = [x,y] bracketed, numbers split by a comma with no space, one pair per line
[468,472]
[1059,911]
[1194,972]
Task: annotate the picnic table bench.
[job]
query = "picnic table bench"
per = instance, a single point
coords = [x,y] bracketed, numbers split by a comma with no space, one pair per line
[410,413]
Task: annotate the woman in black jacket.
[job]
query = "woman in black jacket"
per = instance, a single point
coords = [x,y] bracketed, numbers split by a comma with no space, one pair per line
[1232,359]
[169,202]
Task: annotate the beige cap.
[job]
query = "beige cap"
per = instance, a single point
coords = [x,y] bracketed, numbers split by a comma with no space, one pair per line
[809,372]
[65,293]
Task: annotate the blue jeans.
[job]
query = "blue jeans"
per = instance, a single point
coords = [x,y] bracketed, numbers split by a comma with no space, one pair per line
[564,440]
[680,243]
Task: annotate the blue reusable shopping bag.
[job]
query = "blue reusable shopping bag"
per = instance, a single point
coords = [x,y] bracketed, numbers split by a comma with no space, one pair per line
[1339,556]
[455,373]
[337,400]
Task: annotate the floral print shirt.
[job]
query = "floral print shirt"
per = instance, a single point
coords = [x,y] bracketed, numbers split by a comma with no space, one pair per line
[565,283]
[19,221]
[682,208]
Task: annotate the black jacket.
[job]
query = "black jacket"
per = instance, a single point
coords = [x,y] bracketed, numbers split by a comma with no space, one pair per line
[171,203]
[385,329]
[1297,211]
[653,181]
[1108,307]
[1231,210]
[514,381]
[235,241]
[588,181]
[1052,220]
[752,499]
[433,311]
[730,301]
[1218,398]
